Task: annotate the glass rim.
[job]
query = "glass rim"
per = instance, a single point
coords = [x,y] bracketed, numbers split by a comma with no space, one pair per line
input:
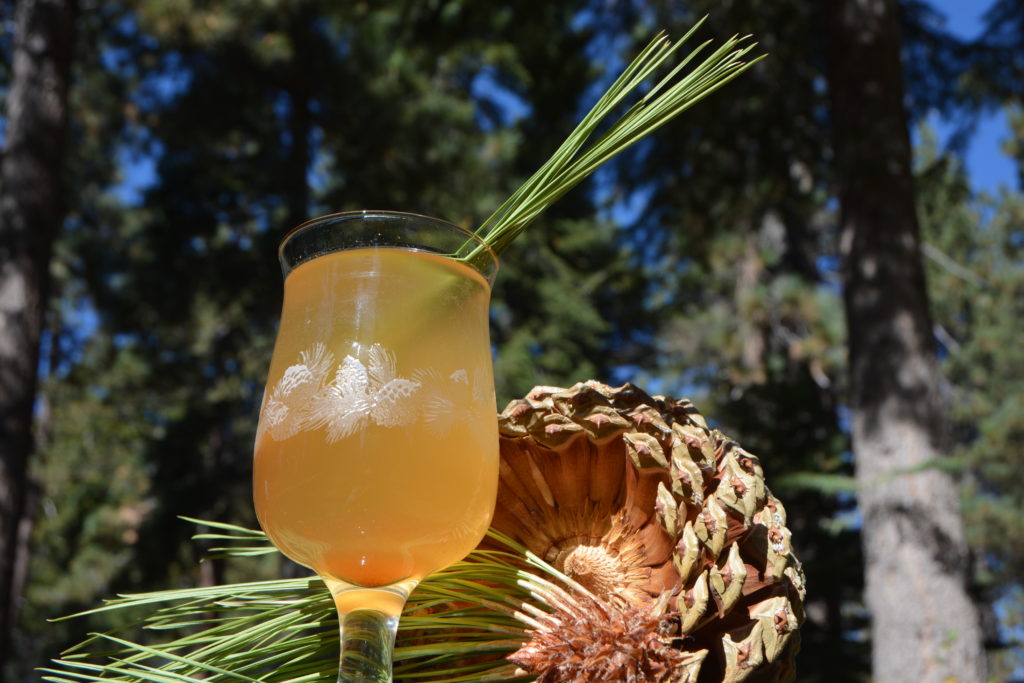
[341,216]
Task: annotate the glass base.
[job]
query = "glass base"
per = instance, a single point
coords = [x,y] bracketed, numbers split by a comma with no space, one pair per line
[368,619]
[367,643]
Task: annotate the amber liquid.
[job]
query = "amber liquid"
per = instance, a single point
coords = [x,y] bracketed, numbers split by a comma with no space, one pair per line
[377,455]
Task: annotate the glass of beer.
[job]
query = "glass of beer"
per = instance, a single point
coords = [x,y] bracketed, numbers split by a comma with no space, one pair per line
[376,458]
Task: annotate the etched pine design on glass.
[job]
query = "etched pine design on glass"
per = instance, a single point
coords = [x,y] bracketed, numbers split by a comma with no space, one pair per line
[376,456]
[315,393]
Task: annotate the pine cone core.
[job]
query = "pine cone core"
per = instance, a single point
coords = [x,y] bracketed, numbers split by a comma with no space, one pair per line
[595,569]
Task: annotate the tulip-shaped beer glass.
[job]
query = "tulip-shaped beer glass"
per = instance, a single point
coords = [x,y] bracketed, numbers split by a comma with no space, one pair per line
[376,457]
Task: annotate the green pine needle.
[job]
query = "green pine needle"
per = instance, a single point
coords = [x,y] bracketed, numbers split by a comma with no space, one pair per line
[574,161]
[459,625]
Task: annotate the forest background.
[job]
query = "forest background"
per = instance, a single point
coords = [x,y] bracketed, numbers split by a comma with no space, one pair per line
[706,262]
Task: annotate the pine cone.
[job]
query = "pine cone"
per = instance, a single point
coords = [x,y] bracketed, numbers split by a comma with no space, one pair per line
[680,554]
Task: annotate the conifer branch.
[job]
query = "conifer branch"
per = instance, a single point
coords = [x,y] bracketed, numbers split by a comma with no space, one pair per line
[574,160]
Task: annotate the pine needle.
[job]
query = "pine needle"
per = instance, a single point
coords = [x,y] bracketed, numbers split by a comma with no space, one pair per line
[574,161]
[459,625]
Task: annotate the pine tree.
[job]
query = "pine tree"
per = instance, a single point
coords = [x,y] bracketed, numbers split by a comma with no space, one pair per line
[31,210]
[924,624]
[976,283]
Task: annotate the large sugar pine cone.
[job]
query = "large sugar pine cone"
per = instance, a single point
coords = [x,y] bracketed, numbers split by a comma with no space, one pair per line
[679,552]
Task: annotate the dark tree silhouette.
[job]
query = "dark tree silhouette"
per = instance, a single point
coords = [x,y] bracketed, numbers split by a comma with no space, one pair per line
[30,212]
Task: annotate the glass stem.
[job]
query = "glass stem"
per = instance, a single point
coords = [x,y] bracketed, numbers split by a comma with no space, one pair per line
[367,642]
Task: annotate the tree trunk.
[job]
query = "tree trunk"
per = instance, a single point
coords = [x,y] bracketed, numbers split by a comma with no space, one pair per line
[30,212]
[924,626]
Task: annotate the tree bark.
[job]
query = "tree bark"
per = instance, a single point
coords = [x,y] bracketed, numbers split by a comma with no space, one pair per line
[924,627]
[30,212]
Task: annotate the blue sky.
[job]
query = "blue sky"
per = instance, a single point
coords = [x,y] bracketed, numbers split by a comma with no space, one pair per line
[987,166]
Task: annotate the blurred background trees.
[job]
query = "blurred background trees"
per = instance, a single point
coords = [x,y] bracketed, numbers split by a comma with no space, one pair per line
[31,211]
[706,262]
